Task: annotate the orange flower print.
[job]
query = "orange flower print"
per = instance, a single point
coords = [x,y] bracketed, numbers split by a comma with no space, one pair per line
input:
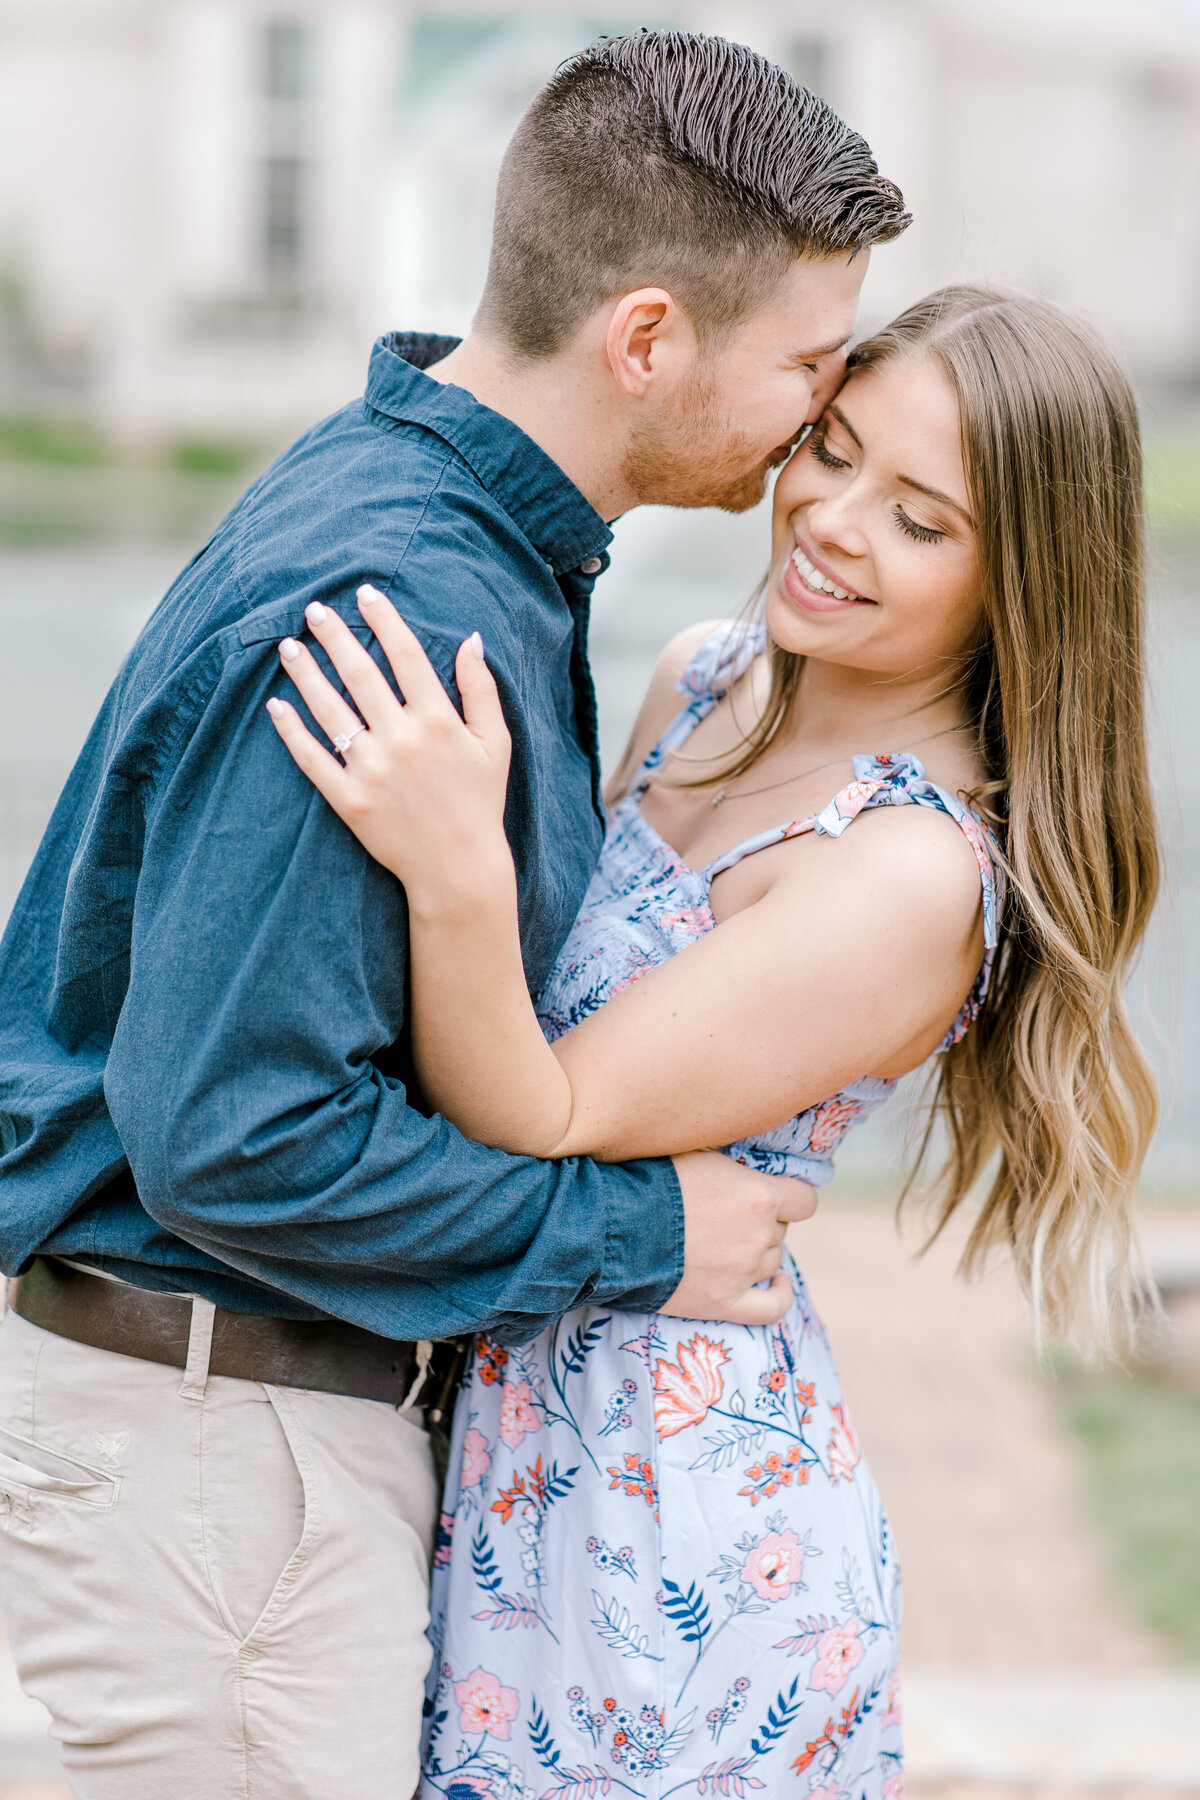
[765,1478]
[892,1714]
[637,1477]
[774,1565]
[830,1123]
[842,1449]
[684,1391]
[491,1360]
[517,1417]
[839,1652]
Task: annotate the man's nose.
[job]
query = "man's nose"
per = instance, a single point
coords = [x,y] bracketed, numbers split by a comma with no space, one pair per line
[831,372]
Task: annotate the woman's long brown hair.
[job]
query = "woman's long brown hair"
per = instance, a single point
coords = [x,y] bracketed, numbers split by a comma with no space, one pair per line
[1050,1081]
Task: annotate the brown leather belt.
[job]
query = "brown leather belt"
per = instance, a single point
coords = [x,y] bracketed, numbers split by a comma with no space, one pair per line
[326,1355]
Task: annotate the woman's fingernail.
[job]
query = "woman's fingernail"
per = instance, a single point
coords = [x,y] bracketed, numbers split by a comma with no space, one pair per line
[315,614]
[276,708]
[476,643]
[367,596]
[289,650]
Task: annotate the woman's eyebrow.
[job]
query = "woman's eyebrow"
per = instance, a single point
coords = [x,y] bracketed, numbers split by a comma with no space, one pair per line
[837,413]
[936,494]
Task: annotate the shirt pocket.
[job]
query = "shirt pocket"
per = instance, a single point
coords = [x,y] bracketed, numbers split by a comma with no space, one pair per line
[31,1473]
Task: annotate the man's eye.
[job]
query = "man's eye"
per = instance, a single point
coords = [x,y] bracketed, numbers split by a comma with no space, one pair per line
[823,454]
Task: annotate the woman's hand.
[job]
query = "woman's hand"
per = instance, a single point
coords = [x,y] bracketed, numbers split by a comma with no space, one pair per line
[422,790]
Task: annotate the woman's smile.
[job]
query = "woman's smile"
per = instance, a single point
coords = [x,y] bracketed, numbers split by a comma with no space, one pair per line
[814,586]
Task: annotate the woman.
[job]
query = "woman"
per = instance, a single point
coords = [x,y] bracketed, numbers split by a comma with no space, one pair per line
[671,1524]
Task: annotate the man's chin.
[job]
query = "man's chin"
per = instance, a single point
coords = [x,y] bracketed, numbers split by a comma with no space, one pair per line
[695,488]
[746,493]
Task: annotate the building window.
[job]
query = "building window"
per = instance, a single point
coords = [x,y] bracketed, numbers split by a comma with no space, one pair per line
[285,169]
[287,60]
[283,208]
[809,62]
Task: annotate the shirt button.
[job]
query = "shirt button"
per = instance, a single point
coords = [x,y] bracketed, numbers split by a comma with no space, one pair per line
[591,566]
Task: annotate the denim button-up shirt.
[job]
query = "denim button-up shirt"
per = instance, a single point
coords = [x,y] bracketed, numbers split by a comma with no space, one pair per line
[204,1082]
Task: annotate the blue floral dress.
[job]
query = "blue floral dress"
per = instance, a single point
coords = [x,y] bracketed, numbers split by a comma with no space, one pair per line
[664,1568]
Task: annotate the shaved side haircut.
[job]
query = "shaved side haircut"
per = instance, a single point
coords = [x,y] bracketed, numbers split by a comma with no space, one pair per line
[676,160]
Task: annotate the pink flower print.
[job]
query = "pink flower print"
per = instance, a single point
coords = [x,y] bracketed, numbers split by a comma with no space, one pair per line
[639,965]
[476,1457]
[684,1391]
[517,1417]
[823,1793]
[854,796]
[838,1653]
[832,1119]
[485,1705]
[842,1449]
[775,1565]
[695,920]
[893,1788]
[977,838]
[443,1541]
[893,1713]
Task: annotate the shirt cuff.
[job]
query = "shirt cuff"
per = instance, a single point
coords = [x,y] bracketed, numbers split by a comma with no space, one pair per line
[644,1243]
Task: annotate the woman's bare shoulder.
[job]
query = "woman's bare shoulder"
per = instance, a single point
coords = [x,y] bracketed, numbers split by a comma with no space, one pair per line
[912,866]
[662,700]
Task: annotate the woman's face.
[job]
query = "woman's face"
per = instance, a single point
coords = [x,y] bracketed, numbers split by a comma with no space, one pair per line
[875,506]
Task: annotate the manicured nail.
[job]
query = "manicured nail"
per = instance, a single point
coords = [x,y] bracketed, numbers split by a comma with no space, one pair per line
[367,596]
[276,708]
[476,643]
[289,650]
[315,614]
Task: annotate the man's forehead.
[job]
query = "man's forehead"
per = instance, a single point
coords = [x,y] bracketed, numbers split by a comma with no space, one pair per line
[816,303]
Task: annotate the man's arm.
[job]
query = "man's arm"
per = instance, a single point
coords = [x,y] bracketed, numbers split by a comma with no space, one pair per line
[267,972]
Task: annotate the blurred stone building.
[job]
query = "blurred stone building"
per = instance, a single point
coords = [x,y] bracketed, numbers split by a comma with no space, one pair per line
[209,207]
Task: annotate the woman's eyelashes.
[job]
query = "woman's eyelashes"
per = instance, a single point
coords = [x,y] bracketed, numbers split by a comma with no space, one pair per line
[822,452]
[817,442]
[922,534]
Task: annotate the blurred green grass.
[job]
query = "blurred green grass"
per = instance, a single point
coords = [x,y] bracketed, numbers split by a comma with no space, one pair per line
[1140,1440]
[61,483]
[1173,482]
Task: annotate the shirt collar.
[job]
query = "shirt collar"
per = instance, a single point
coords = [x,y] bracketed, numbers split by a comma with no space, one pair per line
[563,527]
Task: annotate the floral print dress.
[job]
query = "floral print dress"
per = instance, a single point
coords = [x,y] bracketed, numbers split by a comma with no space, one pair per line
[664,1568]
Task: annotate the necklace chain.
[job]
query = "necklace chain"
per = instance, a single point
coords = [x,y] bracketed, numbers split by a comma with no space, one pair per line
[723,794]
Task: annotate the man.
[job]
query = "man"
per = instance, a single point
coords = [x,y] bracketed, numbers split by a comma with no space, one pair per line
[231,1220]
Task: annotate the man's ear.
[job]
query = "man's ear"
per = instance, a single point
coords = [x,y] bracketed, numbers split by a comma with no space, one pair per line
[650,341]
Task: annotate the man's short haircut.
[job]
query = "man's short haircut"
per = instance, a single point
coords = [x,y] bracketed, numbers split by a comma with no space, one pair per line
[671,159]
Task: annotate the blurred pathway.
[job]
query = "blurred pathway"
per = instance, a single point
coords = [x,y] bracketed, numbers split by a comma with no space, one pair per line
[1022,1670]
[1001,1574]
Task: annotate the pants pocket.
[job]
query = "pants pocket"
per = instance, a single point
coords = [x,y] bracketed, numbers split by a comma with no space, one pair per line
[254,1504]
[32,1474]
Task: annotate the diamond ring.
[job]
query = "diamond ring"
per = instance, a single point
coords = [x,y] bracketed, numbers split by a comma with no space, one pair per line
[344,739]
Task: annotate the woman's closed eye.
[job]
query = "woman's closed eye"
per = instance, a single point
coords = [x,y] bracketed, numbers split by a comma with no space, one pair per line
[922,534]
[818,445]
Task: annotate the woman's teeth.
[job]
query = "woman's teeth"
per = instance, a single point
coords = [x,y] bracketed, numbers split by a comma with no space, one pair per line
[821,583]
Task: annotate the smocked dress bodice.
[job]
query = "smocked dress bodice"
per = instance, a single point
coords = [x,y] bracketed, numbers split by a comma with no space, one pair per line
[645,904]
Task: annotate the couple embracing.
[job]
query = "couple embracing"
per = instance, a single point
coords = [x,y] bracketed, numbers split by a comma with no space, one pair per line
[357,1049]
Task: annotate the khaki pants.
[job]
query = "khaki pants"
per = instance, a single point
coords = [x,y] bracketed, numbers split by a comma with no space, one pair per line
[219,1589]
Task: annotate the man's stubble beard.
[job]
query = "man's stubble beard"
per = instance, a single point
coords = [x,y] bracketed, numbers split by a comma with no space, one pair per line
[693,459]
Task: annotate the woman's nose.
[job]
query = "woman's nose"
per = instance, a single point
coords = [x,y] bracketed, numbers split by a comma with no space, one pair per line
[833,525]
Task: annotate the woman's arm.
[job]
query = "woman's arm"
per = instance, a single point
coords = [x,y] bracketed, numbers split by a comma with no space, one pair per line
[771,1012]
